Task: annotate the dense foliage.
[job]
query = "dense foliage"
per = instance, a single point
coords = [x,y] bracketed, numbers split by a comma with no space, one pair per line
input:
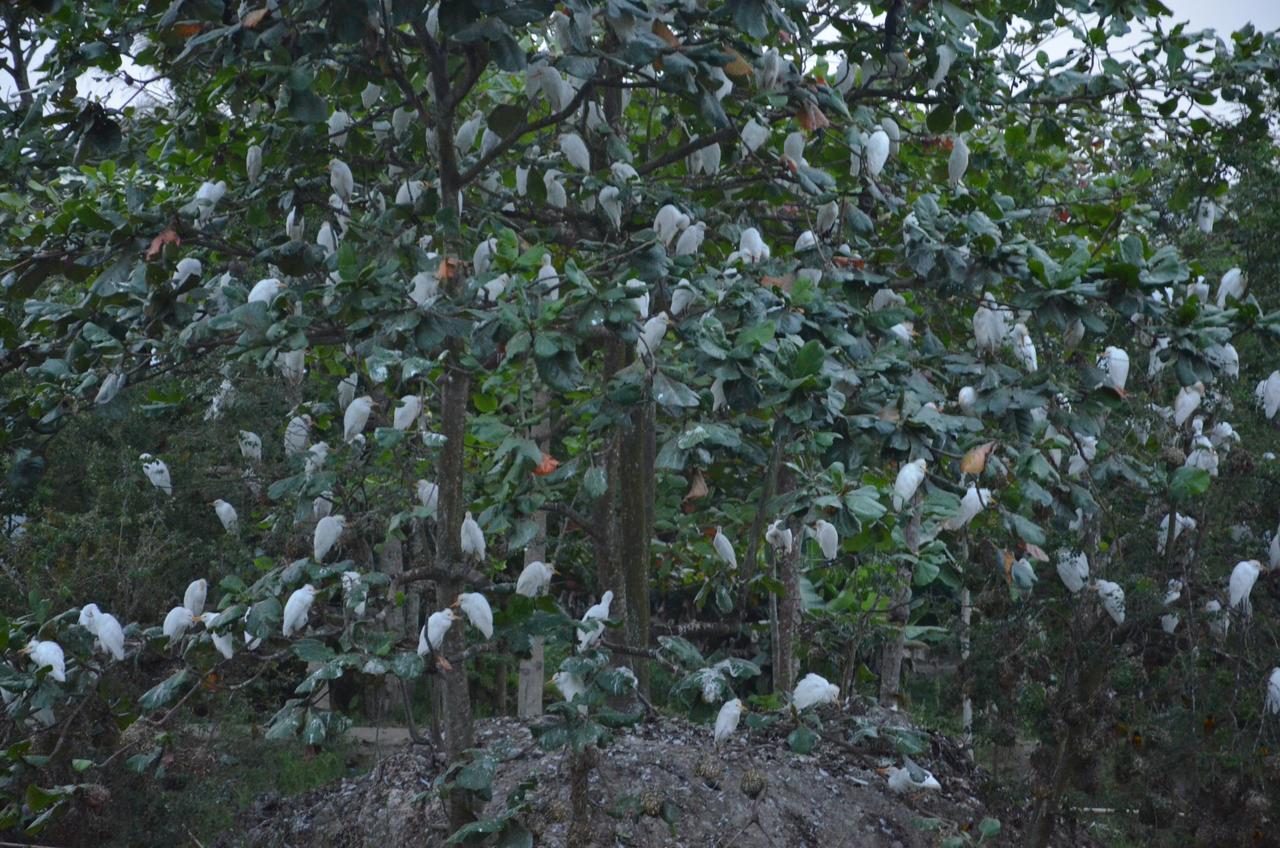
[819,334]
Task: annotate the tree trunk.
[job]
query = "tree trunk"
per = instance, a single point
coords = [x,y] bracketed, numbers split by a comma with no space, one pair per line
[608,559]
[756,533]
[789,611]
[891,655]
[634,484]
[391,563]
[966,686]
[532,671]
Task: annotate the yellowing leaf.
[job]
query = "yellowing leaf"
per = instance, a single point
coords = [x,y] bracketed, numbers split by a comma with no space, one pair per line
[976,459]
[738,67]
[664,32]
[254,18]
[697,486]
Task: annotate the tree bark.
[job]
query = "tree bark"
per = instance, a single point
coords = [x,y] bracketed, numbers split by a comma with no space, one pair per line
[608,560]
[788,616]
[532,670]
[891,655]
[634,484]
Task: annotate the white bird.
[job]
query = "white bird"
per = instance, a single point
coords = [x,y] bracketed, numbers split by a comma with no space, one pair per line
[727,720]
[651,335]
[48,654]
[967,399]
[472,538]
[910,476]
[549,277]
[1243,576]
[534,579]
[1203,456]
[1112,598]
[111,386]
[110,635]
[409,192]
[157,472]
[611,204]
[1022,577]
[187,267]
[1219,621]
[207,197]
[341,180]
[1272,704]
[595,618]
[911,779]
[989,326]
[482,256]
[356,416]
[350,584]
[433,632]
[828,538]
[1023,347]
[814,691]
[779,537]
[668,223]
[194,598]
[296,610]
[1073,568]
[253,162]
[1268,394]
[957,162]
[1273,552]
[793,147]
[876,152]
[468,132]
[478,612]
[1169,621]
[339,122]
[295,226]
[557,197]
[623,172]
[222,642]
[1181,523]
[406,412]
[806,241]
[327,531]
[1187,402]
[1225,358]
[89,617]
[297,435]
[975,500]
[177,622]
[1232,285]
[347,390]
[575,150]
[724,549]
[946,55]
[322,505]
[751,246]
[265,290]
[429,495]
[570,686]
[227,515]
[691,239]
[1114,363]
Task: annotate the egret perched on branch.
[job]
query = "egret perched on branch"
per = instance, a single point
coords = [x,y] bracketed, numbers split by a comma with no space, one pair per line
[814,690]
[177,622]
[975,500]
[1273,551]
[350,585]
[295,227]
[472,538]
[668,223]
[265,290]
[188,267]
[910,476]
[946,55]
[1023,347]
[110,635]
[347,390]
[989,325]
[406,412]
[967,399]
[1268,394]
[431,639]
[911,778]
[341,180]
[296,610]
[157,472]
[48,654]
[297,435]
[724,549]
[339,123]
[429,496]
[651,336]
[549,277]
[194,598]
[623,172]
[876,152]
[780,538]
[482,256]
[250,446]
[570,686]
[1187,402]
[534,579]
[468,132]
[727,720]
[611,203]
[1112,598]
[690,240]
[478,612]
[1231,286]
[957,162]
[575,150]
[227,515]
[1173,591]
[1272,704]
[1114,364]
[1073,568]
[328,529]
[751,246]
[356,416]
[111,386]
[594,618]
[1181,523]
[1022,577]
[314,461]
[89,617]
[253,162]
[557,197]
[1243,576]
[828,538]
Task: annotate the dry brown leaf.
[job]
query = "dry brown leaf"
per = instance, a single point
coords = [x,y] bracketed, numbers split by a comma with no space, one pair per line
[664,32]
[548,465]
[158,243]
[1036,552]
[976,459]
[697,486]
[811,118]
[856,262]
[254,18]
[449,268]
[188,30]
[783,283]
[889,413]
[738,67]
[1008,567]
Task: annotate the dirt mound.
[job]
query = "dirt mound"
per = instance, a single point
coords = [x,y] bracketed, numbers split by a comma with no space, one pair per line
[658,784]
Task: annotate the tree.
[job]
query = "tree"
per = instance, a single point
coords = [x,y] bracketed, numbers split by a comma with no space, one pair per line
[656,273]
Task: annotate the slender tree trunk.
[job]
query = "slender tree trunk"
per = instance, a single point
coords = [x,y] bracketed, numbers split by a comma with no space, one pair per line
[891,655]
[966,701]
[532,671]
[608,559]
[17,58]
[634,537]
[789,611]
[756,533]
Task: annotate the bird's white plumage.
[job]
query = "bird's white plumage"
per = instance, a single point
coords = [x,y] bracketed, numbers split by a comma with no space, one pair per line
[355,418]
[594,618]
[227,515]
[957,162]
[326,534]
[176,622]
[194,598]
[1073,568]
[472,538]
[1181,523]
[727,720]
[406,412]
[611,204]
[110,635]
[478,612]
[911,778]
[1232,286]
[429,496]
[534,579]
[340,179]
[690,240]
[1114,364]
[779,537]
[1112,598]
[975,500]
[814,691]
[253,162]
[724,549]
[876,152]
[433,632]
[1268,395]
[1187,402]
[651,335]
[250,446]
[45,653]
[296,610]
[669,222]
[910,476]
[88,618]
[828,538]
[1023,347]
[1272,704]
[297,435]
[751,246]
[351,581]
[1240,586]
[265,290]
[157,472]
[570,686]
[575,150]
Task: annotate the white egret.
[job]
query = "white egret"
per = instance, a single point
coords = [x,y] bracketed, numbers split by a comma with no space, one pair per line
[911,779]
[876,152]
[157,472]
[48,654]
[668,223]
[957,162]
[1243,576]
[1073,568]
[406,412]
[1273,551]
[194,598]
[557,197]
[110,635]
[327,531]
[611,205]
[111,386]
[482,256]
[1114,364]
[187,267]
[227,515]
[88,618]
[347,387]
[296,610]
[297,435]
[594,618]
[1112,598]
[975,500]
[575,150]
[177,622]
[1268,394]
[967,399]
[265,290]
[910,476]
[208,196]
[691,239]
[806,241]
[1203,456]
[724,549]
[433,632]
[1272,704]
[1181,523]
[828,538]
[549,277]
[814,691]
[1219,621]
[1225,358]
[429,496]
[754,135]
[727,720]
[341,180]
[355,418]
[468,132]
[651,335]
[1024,348]
[570,686]
[315,459]
[623,172]
[989,326]
[1231,286]
[339,123]
[779,537]
[472,538]
[478,612]
[253,162]
[322,505]
[1187,402]
[534,579]
[793,147]
[718,400]
[946,55]
[295,226]
[351,581]
[751,246]
[409,192]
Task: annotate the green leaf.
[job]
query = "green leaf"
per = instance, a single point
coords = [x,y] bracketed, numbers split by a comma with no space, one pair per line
[407,665]
[672,393]
[684,651]
[312,650]
[809,359]
[1187,483]
[594,482]
[307,107]
[477,775]
[163,692]
[939,120]
[802,740]
[989,827]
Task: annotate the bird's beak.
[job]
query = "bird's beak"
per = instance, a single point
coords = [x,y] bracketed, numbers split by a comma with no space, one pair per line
[455,604]
[883,771]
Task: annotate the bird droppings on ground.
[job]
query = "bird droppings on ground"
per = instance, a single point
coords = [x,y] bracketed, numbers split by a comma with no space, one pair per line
[663,769]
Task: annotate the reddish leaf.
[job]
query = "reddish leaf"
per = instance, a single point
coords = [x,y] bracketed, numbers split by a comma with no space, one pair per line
[158,243]
[254,18]
[976,459]
[548,464]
